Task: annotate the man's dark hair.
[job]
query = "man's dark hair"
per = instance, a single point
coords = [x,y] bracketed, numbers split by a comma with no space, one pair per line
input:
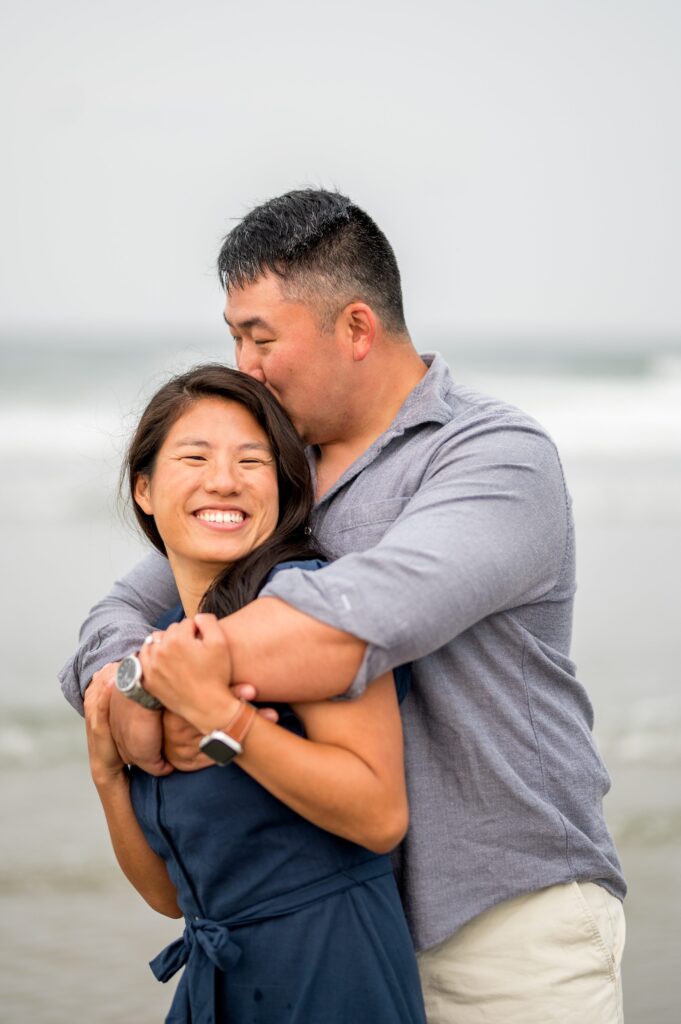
[326,251]
[291,539]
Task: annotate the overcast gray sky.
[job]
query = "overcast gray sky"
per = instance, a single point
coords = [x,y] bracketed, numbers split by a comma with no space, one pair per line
[523,156]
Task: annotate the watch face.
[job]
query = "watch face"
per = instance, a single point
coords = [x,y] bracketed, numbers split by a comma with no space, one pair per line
[128,673]
[220,748]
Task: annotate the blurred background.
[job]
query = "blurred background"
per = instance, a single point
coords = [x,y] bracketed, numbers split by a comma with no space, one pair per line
[524,158]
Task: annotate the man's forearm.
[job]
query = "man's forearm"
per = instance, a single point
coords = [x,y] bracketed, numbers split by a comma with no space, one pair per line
[117,625]
[289,656]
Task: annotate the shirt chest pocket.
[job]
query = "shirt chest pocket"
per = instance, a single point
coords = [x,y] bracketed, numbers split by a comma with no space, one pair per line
[363,526]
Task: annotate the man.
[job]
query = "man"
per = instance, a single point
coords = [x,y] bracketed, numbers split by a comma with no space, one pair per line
[452,524]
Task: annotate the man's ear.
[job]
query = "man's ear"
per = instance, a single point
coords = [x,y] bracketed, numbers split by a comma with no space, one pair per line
[142,493]
[360,324]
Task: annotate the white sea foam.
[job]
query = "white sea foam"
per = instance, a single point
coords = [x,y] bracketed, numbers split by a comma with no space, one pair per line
[70,431]
[592,417]
[600,417]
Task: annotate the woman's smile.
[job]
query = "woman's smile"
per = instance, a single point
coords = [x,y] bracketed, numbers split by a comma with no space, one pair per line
[228,518]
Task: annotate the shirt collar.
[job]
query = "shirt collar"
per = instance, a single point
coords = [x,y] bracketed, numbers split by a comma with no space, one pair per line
[426,403]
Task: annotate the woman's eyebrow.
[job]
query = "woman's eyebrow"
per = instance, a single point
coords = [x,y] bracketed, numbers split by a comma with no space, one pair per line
[194,442]
[198,442]
[255,446]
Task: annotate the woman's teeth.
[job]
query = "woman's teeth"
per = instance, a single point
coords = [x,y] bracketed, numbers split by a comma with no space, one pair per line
[220,517]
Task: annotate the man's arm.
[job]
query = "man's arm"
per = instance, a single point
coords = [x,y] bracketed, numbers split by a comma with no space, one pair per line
[118,624]
[486,532]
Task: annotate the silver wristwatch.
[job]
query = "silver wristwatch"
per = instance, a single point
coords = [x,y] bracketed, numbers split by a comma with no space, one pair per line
[129,682]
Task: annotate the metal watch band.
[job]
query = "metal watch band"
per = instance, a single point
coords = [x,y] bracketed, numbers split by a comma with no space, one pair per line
[143,697]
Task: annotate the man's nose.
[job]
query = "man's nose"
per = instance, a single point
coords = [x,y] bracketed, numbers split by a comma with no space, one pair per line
[248,361]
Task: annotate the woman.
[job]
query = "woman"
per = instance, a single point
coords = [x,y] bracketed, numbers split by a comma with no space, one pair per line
[277,861]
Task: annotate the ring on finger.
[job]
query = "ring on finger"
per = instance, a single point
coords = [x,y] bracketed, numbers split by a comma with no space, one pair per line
[151,639]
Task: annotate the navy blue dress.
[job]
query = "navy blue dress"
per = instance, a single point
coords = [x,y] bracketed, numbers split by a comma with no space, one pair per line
[284,922]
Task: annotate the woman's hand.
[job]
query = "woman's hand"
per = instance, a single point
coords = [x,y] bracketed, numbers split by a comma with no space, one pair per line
[106,764]
[188,668]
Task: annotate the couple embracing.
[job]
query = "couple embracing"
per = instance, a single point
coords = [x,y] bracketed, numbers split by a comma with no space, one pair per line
[339,518]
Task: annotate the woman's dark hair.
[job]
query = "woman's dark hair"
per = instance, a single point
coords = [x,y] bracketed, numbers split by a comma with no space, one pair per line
[240,582]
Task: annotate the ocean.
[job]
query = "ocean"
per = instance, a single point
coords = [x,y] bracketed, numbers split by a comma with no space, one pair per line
[75,938]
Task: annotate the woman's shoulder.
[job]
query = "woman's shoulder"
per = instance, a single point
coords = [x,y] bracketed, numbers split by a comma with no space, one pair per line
[174,614]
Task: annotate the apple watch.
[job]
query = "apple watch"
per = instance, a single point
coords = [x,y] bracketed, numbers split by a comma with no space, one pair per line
[129,682]
[223,745]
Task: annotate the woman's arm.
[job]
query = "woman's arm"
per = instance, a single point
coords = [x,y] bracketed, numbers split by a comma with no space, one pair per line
[144,869]
[347,776]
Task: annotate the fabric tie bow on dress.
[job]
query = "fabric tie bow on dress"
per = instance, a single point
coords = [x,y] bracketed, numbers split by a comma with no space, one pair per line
[205,943]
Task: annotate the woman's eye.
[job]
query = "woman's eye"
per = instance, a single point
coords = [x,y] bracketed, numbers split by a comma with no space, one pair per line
[194,458]
[262,341]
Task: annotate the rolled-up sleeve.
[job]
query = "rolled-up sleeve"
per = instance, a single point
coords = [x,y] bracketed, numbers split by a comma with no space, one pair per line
[117,625]
[485,532]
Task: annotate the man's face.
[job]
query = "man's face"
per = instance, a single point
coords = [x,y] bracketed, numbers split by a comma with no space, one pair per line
[279,343]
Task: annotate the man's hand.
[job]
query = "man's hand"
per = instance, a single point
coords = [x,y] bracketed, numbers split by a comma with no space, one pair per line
[106,763]
[137,731]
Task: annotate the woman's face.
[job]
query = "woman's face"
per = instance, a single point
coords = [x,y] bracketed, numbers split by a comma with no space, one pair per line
[213,492]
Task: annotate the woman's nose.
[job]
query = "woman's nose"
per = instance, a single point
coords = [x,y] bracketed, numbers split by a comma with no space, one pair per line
[222,478]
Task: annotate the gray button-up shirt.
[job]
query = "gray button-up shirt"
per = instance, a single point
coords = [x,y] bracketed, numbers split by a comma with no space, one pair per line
[456,552]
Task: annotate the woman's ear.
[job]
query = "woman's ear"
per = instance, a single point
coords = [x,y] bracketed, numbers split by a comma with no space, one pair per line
[142,493]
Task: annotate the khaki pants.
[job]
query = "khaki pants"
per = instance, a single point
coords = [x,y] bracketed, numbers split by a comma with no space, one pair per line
[549,957]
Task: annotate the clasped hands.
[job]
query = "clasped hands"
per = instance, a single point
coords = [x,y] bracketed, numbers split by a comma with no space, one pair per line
[188,668]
